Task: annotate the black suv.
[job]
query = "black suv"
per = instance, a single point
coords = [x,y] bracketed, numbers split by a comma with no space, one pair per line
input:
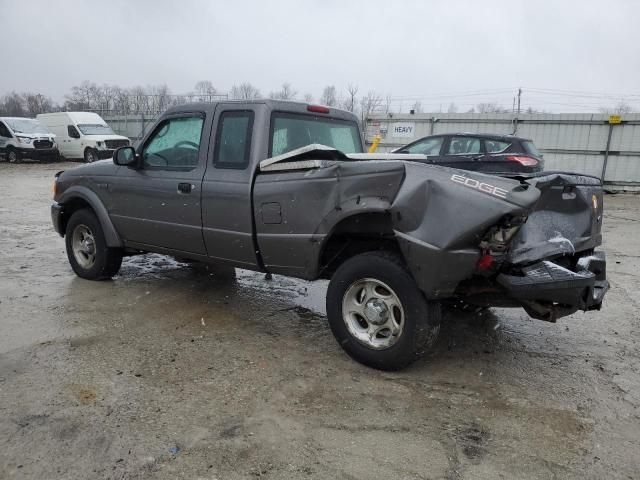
[495,154]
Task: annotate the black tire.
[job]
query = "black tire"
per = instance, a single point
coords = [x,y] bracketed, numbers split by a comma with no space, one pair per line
[13,156]
[106,261]
[90,155]
[421,323]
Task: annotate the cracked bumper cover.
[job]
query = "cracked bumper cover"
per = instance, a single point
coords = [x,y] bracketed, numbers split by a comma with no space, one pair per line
[549,291]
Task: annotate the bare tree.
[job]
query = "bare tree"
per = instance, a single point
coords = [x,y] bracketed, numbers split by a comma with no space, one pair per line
[308,98]
[329,96]
[244,91]
[621,108]
[37,103]
[369,104]
[387,103]
[158,98]
[84,96]
[351,101]
[205,90]
[490,107]
[138,99]
[285,93]
[12,105]
[453,108]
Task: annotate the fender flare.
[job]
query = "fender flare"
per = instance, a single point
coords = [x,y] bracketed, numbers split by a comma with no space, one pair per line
[347,209]
[110,233]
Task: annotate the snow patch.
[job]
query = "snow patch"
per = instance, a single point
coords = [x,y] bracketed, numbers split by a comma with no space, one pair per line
[560,239]
[584,262]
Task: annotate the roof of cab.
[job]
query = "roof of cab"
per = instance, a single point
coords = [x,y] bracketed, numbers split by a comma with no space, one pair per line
[285,105]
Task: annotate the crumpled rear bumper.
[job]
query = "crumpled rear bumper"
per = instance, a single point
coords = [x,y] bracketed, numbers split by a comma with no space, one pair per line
[549,291]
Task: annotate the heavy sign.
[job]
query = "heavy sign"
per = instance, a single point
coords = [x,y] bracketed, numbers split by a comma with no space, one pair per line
[403,130]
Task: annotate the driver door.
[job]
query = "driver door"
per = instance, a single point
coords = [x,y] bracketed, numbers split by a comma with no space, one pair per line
[158,205]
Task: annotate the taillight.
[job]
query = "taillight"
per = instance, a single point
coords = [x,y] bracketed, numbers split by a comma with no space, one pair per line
[523,160]
[485,262]
[318,109]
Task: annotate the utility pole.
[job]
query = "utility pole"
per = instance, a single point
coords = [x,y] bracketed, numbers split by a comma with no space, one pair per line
[515,120]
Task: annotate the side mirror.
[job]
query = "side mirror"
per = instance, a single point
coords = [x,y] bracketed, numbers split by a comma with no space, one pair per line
[125,156]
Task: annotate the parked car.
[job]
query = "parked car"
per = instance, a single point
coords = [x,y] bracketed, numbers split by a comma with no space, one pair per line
[284,188]
[494,154]
[83,135]
[26,138]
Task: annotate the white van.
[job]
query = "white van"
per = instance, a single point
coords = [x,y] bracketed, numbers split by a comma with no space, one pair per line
[82,135]
[26,138]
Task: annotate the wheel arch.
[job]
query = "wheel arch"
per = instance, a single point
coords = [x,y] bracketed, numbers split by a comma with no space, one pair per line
[355,234]
[77,197]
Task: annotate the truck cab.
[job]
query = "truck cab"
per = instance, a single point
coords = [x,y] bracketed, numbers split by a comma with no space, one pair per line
[83,135]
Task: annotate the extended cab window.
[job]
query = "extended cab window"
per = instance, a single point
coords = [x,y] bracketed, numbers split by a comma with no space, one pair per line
[174,145]
[290,131]
[233,139]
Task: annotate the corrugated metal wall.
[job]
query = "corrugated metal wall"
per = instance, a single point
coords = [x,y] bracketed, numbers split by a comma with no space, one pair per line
[573,142]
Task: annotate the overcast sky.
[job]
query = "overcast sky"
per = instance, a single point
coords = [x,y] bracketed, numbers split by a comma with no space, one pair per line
[472,50]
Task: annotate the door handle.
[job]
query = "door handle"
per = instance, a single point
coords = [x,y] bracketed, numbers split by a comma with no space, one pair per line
[185,187]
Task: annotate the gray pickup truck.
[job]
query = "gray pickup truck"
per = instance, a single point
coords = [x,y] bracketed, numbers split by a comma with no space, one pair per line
[284,188]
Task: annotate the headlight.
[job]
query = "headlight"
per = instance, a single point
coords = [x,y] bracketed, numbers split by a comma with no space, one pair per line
[24,140]
[98,144]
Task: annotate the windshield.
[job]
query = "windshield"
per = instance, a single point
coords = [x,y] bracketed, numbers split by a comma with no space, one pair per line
[26,125]
[95,129]
[290,131]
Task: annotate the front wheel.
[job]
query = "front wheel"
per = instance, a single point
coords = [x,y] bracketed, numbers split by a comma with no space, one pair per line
[90,155]
[377,313]
[87,250]
[13,156]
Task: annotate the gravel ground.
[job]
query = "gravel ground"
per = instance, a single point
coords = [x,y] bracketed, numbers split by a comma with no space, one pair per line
[174,371]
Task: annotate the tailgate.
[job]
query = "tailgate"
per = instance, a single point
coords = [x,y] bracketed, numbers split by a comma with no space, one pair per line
[566,220]
[554,267]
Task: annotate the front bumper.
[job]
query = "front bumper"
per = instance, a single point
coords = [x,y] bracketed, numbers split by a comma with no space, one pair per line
[549,291]
[38,153]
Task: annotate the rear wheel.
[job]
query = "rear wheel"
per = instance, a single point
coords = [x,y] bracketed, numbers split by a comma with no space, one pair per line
[378,314]
[87,249]
[90,155]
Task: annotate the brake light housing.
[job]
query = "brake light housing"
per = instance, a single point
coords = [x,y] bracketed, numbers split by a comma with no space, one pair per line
[523,160]
[318,109]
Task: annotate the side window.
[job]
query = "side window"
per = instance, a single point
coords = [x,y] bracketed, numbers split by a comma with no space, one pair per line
[494,146]
[174,144]
[429,146]
[4,131]
[463,145]
[73,131]
[233,139]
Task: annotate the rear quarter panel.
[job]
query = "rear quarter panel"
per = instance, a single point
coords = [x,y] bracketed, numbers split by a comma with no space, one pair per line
[311,203]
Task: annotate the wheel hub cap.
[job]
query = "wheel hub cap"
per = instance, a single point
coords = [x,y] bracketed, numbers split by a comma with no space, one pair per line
[84,246]
[373,313]
[376,311]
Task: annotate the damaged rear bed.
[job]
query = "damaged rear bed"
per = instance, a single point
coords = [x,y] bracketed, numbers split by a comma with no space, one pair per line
[525,241]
